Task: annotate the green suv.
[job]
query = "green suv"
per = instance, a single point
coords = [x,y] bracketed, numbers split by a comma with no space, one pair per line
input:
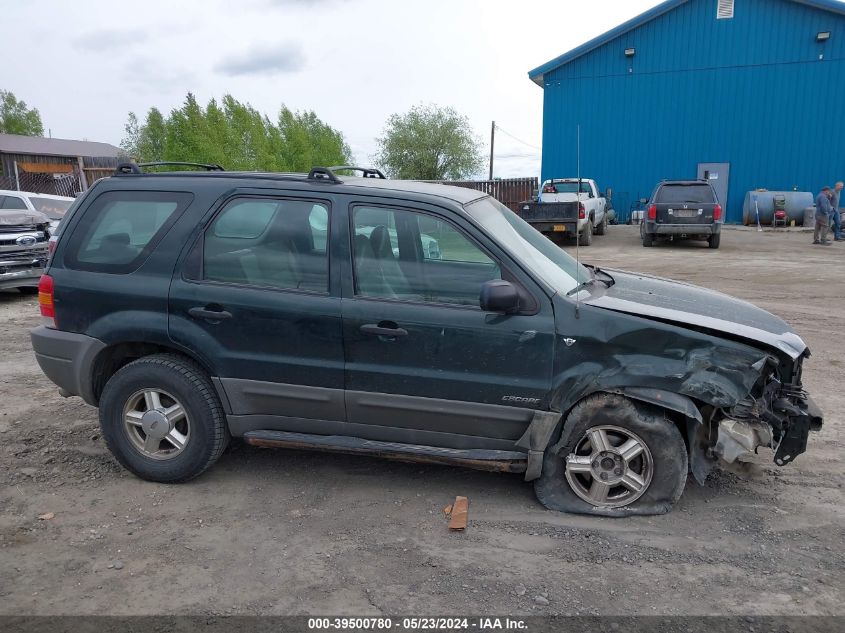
[410,320]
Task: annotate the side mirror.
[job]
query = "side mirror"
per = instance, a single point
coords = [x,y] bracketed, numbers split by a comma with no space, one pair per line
[499,296]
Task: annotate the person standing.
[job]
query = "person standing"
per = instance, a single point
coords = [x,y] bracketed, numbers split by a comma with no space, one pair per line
[823,212]
[837,214]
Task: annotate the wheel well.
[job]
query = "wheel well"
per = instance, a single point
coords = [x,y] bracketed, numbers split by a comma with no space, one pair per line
[675,417]
[114,357]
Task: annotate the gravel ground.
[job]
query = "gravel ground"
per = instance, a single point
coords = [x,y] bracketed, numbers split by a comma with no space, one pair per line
[284,532]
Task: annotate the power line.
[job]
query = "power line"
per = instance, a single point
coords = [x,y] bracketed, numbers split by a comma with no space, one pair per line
[501,129]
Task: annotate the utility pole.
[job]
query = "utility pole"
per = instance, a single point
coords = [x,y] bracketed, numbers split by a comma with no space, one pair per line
[492,139]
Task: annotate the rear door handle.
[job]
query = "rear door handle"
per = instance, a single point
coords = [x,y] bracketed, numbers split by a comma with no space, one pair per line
[378,330]
[209,315]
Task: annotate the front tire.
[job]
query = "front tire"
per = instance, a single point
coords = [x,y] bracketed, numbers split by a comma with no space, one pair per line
[162,420]
[619,458]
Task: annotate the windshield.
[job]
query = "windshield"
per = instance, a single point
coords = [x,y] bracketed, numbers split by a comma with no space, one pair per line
[565,187]
[702,194]
[52,208]
[526,244]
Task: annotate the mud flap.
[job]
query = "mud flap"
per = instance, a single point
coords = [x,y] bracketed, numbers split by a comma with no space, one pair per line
[536,439]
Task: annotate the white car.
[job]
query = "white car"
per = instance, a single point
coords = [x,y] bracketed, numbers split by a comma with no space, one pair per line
[53,207]
[28,222]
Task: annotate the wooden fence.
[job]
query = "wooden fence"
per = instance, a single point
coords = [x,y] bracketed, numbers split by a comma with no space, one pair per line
[509,191]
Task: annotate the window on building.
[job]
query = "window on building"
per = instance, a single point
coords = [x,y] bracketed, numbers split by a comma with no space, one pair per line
[724,9]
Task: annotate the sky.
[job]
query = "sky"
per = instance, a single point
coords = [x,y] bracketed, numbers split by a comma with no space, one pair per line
[85,66]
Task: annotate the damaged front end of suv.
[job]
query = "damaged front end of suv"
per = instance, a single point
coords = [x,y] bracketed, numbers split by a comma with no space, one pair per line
[740,366]
[777,413]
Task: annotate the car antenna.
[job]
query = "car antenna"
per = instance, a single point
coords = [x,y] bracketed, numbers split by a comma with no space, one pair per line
[577,216]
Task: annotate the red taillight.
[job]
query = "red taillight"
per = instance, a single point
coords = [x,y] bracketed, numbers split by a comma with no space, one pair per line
[717,212]
[582,212]
[45,300]
[652,212]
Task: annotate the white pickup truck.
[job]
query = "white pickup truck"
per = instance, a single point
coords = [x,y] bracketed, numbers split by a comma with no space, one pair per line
[568,206]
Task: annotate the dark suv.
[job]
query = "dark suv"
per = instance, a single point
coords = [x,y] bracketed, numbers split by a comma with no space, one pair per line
[680,209]
[411,320]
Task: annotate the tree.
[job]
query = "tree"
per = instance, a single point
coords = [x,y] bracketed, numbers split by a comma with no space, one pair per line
[152,137]
[309,142]
[237,136]
[132,129]
[429,143]
[17,118]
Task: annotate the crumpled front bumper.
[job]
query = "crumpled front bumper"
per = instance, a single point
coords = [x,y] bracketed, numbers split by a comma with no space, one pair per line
[784,428]
[803,416]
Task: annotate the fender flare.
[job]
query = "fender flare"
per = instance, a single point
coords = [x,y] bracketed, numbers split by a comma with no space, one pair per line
[541,431]
[665,400]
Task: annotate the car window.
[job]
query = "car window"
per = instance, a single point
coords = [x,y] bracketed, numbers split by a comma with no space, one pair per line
[52,208]
[401,254]
[121,228]
[696,194]
[272,243]
[566,187]
[318,219]
[13,202]
[246,219]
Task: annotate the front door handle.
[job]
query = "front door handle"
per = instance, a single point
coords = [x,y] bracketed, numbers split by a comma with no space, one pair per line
[379,330]
[209,315]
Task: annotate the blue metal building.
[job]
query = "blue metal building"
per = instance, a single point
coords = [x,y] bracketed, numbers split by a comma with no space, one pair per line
[750,93]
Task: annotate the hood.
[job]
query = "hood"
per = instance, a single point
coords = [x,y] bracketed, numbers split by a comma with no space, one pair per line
[9,217]
[685,304]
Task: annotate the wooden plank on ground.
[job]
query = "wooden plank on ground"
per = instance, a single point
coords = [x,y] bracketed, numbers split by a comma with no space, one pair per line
[460,508]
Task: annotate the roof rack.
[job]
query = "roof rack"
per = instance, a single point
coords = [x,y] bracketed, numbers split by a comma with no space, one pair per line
[135,168]
[367,172]
[324,173]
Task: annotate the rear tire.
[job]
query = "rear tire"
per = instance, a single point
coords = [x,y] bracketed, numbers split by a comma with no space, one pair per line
[648,482]
[585,238]
[601,229]
[713,240]
[163,395]
[648,239]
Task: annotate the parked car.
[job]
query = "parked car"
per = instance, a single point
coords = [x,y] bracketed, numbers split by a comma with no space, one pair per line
[54,207]
[192,307]
[23,248]
[573,207]
[683,209]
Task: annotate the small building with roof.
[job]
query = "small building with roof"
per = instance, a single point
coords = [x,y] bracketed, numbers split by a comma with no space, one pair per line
[53,165]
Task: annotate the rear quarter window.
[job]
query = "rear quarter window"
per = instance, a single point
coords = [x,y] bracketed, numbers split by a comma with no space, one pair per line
[120,229]
[695,194]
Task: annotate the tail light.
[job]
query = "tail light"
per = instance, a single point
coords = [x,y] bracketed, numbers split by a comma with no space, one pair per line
[717,212]
[652,212]
[582,212]
[45,300]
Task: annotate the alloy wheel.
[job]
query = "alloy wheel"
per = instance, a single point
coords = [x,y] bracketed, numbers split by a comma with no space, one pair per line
[156,423]
[610,467]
